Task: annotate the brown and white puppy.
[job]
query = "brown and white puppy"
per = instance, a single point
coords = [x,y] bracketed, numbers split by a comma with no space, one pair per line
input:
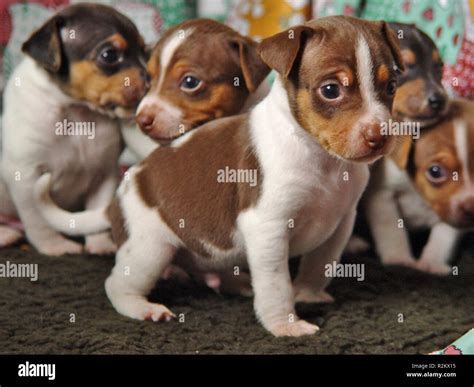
[83,72]
[420,102]
[280,181]
[200,70]
[438,192]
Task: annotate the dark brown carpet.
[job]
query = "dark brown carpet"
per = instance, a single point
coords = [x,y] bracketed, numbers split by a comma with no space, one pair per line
[35,316]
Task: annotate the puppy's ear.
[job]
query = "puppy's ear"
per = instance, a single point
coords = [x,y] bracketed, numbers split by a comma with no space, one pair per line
[253,68]
[281,50]
[392,40]
[44,45]
[401,154]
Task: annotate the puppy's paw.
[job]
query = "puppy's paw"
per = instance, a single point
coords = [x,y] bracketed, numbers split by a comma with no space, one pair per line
[438,268]
[311,296]
[9,236]
[295,329]
[59,246]
[100,244]
[156,312]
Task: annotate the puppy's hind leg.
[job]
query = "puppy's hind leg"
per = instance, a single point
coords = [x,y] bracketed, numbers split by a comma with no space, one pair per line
[140,262]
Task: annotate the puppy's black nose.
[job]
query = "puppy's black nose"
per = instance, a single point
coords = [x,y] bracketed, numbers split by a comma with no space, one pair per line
[436,102]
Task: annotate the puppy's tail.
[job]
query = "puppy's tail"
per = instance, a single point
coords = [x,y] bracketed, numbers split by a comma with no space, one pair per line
[69,223]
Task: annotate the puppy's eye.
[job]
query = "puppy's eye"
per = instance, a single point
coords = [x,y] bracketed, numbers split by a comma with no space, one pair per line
[190,83]
[109,56]
[436,174]
[330,91]
[392,87]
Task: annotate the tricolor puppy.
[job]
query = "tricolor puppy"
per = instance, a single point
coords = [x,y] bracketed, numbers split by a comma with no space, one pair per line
[420,102]
[83,72]
[308,143]
[435,191]
[420,94]
[200,70]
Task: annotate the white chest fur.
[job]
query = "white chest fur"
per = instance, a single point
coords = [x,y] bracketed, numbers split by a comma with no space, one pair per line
[303,185]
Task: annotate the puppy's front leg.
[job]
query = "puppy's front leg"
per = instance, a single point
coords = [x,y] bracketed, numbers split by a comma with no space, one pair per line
[102,195]
[39,233]
[311,281]
[439,250]
[391,242]
[267,254]
[140,262]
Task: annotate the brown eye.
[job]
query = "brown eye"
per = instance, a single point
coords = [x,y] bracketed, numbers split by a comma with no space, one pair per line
[109,56]
[436,174]
[330,91]
[392,87]
[190,83]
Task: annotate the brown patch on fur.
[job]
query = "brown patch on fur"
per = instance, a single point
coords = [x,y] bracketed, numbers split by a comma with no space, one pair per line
[401,152]
[222,99]
[331,131]
[187,189]
[88,83]
[153,66]
[383,73]
[435,56]
[345,77]
[115,216]
[410,98]
[118,41]
[408,56]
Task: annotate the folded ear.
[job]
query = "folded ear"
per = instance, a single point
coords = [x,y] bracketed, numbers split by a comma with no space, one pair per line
[281,50]
[401,154]
[44,45]
[392,40]
[253,68]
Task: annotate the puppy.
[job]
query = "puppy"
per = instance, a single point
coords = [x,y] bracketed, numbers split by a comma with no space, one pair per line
[308,143]
[84,71]
[420,100]
[226,74]
[435,189]
[200,70]
[420,95]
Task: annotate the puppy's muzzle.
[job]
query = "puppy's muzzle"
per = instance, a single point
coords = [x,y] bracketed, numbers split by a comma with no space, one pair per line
[373,136]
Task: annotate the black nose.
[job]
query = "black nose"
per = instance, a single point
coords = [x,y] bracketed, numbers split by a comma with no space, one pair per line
[436,102]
